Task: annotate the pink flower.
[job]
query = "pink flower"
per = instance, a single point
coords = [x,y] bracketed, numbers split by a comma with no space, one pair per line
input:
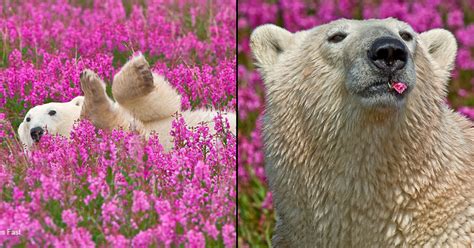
[462,92]
[70,218]
[140,201]
[143,239]
[399,87]
[195,239]
[79,237]
[467,111]
[211,230]
[267,202]
[51,187]
[455,18]
[118,241]
[110,211]
[228,234]
[18,194]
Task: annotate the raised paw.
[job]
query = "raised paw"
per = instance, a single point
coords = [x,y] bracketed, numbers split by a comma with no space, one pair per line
[96,101]
[143,72]
[92,86]
[134,80]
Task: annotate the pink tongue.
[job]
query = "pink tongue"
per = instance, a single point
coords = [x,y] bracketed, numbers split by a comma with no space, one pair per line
[399,87]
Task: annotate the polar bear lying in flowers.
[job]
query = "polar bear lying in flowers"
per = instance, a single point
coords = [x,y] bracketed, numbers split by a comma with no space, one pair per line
[145,102]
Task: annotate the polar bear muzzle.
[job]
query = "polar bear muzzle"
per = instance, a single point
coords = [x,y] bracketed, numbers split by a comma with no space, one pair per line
[36,133]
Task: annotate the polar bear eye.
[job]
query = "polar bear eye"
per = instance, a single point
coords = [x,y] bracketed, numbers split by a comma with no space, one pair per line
[28,119]
[337,37]
[52,112]
[406,36]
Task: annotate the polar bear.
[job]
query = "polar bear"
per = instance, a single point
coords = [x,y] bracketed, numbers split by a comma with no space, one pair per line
[361,149]
[145,102]
[54,117]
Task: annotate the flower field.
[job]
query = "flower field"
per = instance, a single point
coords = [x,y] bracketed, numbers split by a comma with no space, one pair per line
[116,189]
[255,212]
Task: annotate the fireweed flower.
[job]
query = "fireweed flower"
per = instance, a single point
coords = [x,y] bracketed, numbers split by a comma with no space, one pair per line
[140,203]
[70,218]
[455,18]
[195,239]
[467,111]
[118,241]
[228,235]
[399,87]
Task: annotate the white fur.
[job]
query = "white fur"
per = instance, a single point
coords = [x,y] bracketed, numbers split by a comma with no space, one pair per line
[61,123]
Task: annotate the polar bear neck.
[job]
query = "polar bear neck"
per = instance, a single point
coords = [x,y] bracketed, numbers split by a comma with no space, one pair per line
[372,147]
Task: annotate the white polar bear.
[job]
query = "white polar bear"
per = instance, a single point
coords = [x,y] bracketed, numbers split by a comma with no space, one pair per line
[352,159]
[55,117]
[145,102]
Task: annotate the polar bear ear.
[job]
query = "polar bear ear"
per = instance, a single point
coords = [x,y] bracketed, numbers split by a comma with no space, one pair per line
[78,100]
[441,45]
[269,41]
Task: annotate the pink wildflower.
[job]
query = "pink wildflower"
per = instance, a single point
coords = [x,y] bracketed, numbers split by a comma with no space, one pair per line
[140,201]
[195,239]
[399,87]
[70,218]
[228,234]
[118,241]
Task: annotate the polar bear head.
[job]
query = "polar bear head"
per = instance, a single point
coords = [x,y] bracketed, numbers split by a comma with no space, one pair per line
[354,63]
[54,117]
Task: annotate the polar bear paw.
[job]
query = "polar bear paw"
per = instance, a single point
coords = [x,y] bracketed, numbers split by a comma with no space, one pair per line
[92,86]
[96,103]
[134,80]
[143,73]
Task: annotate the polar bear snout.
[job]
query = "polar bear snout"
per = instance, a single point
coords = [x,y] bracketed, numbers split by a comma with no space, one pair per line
[36,133]
[388,54]
[383,62]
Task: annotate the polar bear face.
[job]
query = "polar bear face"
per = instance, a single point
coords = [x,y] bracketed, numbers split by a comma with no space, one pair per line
[356,60]
[54,117]
[372,54]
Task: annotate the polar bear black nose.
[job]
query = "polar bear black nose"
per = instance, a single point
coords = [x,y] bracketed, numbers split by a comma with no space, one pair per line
[388,54]
[36,133]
